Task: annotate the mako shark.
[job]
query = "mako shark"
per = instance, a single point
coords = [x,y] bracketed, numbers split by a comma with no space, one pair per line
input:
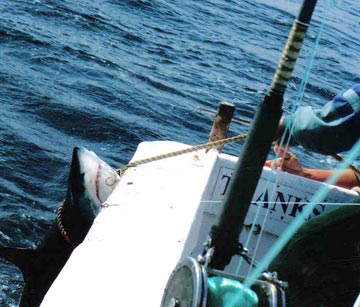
[90,183]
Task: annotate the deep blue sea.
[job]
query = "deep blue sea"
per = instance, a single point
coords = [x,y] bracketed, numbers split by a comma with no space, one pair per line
[108,74]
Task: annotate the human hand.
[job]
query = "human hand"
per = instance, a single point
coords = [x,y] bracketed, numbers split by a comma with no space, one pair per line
[287,162]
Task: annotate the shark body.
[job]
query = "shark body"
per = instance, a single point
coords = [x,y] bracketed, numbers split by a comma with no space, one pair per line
[90,183]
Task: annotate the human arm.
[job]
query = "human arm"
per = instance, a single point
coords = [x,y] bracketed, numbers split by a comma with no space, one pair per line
[333,128]
[288,162]
[346,180]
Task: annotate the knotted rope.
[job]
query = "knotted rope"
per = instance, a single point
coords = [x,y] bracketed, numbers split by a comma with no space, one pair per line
[208,145]
[181,152]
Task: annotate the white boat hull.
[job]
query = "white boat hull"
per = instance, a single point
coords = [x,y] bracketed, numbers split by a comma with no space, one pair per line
[160,212]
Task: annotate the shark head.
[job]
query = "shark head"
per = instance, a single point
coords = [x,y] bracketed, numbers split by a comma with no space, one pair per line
[91,181]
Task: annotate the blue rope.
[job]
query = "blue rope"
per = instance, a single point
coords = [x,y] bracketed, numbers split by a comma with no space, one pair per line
[317,198]
[298,99]
[304,79]
[299,221]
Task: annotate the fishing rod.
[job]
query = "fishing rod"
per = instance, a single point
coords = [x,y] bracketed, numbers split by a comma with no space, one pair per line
[223,237]
[188,284]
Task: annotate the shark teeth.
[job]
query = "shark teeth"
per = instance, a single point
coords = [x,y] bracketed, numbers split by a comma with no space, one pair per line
[99,179]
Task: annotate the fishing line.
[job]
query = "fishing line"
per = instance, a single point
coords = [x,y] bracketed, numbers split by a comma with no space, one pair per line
[298,99]
[298,203]
[296,225]
[299,221]
[304,80]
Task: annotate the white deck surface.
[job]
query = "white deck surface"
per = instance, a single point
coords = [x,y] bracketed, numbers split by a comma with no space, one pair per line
[136,241]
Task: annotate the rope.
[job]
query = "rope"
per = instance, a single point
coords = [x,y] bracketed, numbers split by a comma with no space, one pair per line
[298,222]
[60,224]
[182,151]
[208,145]
[285,139]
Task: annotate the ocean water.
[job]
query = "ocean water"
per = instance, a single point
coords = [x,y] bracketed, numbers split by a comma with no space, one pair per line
[108,74]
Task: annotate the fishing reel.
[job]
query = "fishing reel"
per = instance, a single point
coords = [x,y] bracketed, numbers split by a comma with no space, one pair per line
[193,284]
[187,285]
